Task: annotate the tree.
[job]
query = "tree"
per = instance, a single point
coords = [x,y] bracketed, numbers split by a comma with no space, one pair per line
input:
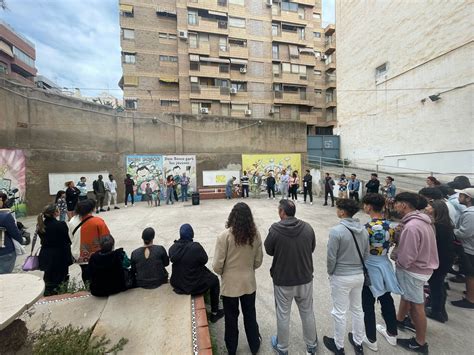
[3,5]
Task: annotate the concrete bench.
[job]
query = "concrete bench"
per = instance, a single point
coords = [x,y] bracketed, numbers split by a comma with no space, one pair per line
[212,194]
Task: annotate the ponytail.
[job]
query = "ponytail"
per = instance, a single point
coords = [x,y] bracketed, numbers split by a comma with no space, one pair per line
[40,223]
[48,211]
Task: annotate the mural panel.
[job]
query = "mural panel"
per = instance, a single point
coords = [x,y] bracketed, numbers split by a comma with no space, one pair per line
[13,178]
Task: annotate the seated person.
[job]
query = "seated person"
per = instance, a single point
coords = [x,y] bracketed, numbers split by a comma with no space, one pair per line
[149,262]
[108,269]
[189,274]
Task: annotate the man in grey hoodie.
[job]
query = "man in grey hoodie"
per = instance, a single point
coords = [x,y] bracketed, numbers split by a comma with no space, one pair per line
[346,276]
[465,233]
[291,242]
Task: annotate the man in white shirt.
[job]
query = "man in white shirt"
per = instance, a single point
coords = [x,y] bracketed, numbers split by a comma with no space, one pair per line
[111,191]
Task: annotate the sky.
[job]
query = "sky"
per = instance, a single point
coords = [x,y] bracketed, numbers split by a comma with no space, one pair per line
[78,41]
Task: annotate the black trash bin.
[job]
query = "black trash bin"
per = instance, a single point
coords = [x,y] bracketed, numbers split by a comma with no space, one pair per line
[195,198]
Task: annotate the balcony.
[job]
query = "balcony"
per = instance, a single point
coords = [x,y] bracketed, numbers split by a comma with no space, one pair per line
[204,48]
[329,30]
[330,67]
[331,102]
[291,37]
[237,75]
[237,32]
[331,82]
[209,71]
[289,16]
[311,118]
[290,78]
[241,96]
[205,25]
[318,102]
[292,98]
[234,52]
[304,59]
[330,45]
[304,2]
[209,93]
[214,5]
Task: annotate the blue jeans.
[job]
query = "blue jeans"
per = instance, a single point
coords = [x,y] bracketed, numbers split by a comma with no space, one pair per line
[63,216]
[169,195]
[228,192]
[184,193]
[7,263]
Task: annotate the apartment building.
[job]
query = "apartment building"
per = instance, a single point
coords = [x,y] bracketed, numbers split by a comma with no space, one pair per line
[17,56]
[243,58]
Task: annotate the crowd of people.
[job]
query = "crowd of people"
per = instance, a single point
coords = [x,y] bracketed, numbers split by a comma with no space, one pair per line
[431,234]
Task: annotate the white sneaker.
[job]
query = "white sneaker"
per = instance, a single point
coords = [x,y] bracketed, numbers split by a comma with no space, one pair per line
[268,198]
[392,340]
[370,345]
[311,203]
[126,206]
[274,198]
[133,205]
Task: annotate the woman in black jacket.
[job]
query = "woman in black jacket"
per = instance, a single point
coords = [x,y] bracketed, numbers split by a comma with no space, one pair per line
[55,254]
[439,213]
[72,196]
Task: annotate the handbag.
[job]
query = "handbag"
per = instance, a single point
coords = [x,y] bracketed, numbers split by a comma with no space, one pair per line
[367,281]
[32,261]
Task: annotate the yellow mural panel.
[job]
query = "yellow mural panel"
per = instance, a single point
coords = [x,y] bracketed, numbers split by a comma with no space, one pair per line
[263,163]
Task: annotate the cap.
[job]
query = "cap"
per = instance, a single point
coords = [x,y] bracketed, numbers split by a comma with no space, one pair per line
[469,192]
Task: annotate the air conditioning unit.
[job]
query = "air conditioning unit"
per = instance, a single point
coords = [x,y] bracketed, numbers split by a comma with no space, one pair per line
[269,3]
[204,110]
[183,34]
[233,91]
[324,57]
[243,70]
[248,112]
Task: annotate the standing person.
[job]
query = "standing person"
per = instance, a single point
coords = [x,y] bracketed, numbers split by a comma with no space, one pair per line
[439,213]
[72,196]
[308,187]
[381,272]
[169,189]
[353,187]
[328,189]
[99,192]
[189,275]
[389,189]
[465,233]
[55,254]
[294,184]
[291,242]
[237,254]
[244,180]
[82,186]
[431,181]
[149,262]
[85,232]
[184,187]
[60,200]
[149,194]
[348,245]
[342,183]
[284,182]
[228,187]
[111,192]
[129,183]
[176,181]
[373,184]
[417,257]
[255,184]
[8,232]
[271,182]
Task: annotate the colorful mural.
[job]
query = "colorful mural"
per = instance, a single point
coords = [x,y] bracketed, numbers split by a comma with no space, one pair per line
[145,169]
[264,163]
[176,165]
[13,178]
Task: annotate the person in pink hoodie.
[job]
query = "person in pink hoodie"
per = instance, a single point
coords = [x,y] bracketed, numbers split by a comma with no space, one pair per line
[417,257]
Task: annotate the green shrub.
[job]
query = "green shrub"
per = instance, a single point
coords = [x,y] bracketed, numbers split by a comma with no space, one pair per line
[72,286]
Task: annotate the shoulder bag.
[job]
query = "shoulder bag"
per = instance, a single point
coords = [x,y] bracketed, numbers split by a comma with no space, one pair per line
[32,261]
[366,272]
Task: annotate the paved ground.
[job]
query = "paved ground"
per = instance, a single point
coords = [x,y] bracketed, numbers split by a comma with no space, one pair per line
[208,219]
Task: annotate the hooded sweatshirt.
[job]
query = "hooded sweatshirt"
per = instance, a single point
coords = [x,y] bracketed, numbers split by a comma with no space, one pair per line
[465,230]
[342,256]
[417,250]
[291,242]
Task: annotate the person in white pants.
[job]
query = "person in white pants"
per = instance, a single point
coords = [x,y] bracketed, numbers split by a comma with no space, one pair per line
[111,190]
[346,276]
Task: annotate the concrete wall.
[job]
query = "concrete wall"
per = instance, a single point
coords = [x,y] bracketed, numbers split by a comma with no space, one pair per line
[428,50]
[61,134]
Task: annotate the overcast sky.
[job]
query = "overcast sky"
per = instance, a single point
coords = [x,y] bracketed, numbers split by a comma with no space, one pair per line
[78,41]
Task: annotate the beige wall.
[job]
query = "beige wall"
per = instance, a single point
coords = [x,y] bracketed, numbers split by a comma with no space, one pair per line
[428,48]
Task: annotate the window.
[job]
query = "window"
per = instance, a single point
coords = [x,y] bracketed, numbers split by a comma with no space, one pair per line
[169,103]
[318,92]
[276,112]
[275,52]
[275,29]
[193,65]
[195,108]
[193,40]
[289,6]
[224,68]
[276,70]
[128,58]
[222,2]
[163,12]
[3,68]
[126,10]
[168,58]
[131,104]
[317,72]
[223,44]
[301,32]
[163,35]
[239,107]
[316,16]
[193,18]
[381,70]
[237,2]
[240,86]
[233,42]
[171,36]
[25,58]
[128,33]
[317,34]
[236,22]
[286,67]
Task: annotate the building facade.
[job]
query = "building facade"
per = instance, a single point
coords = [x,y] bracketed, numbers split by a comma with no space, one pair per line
[405,75]
[17,56]
[259,59]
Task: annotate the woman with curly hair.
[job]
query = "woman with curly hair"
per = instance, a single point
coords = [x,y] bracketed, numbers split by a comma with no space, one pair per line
[238,253]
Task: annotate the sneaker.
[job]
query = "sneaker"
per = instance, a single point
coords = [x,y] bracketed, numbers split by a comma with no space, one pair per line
[259,343]
[274,341]
[268,198]
[464,303]
[311,350]
[311,203]
[392,340]
[372,346]
[412,345]
[116,208]
[126,206]
[358,349]
[216,316]
[406,324]
[437,316]
[133,205]
[108,209]
[331,346]
[274,198]
[325,204]
[102,210]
